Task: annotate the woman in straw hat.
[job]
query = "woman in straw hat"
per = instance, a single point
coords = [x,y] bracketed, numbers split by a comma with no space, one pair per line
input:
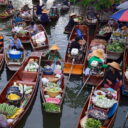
[53,54]
[112,77]
[44,17]
[71,22]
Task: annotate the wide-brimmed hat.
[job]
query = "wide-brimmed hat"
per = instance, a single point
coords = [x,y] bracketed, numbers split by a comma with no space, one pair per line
[98,53]
[114,65]
[73,14]
[45,11]
[54,47]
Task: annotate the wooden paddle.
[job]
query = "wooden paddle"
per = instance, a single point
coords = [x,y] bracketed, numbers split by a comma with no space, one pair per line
[83,85]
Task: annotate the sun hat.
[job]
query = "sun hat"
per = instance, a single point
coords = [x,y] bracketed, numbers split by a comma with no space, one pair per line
[72,14]
[98,53]
[114,65]
[54,47]
[45,11]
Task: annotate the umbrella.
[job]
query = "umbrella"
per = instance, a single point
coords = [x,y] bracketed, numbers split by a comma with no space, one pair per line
[121,15]
[123,5]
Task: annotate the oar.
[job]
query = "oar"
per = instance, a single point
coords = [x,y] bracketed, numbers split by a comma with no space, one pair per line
[89,101]
[83,86]
[71,69]
[125,120]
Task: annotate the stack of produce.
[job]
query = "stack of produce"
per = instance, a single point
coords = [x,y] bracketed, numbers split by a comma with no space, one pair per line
[105,30]
[4,14]
[102,100]
[32,65]
[115,46]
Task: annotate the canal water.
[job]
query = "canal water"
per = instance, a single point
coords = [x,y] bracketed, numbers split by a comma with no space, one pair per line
[71,107]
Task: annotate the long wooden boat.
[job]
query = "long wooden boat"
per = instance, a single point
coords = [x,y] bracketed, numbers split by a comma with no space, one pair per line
[95,78]
[14,65]
[54,13]
[41,47]
[125,67]
[77,67]
[108,123]
[27,78]
[52,79]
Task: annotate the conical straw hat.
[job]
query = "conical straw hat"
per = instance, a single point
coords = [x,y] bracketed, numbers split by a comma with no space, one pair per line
[114,65]
[98,53]
[54,47]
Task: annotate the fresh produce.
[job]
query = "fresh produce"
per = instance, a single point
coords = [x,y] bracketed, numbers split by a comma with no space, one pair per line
[105,30]
[50,84]
[23,88]
[115,46]
[12,96]
[32,66]
[4,14]
[8,110]
[49,107]
[92,123]
[3,121]
[98,114]
[53,89]
[103,102]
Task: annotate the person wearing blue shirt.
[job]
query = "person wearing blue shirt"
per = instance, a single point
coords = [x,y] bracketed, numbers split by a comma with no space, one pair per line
[44,17]
[15,43]
[18,19]
[39,9]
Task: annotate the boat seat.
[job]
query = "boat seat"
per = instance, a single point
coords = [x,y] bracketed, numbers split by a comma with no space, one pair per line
[28,76]
[77,69]
[26,82]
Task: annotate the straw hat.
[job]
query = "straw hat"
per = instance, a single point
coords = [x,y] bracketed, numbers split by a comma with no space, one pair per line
[45,11]
[114,65]
[98,53]
[72,14]
[54,47]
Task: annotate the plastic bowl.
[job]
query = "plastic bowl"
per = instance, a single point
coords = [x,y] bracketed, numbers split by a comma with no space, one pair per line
[15,56]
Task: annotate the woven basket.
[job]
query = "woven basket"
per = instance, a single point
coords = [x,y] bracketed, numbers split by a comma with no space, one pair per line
[53,94]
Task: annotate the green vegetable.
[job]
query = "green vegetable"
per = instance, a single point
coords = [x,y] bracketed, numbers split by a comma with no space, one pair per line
[115,46]
[49,107]
[92,123]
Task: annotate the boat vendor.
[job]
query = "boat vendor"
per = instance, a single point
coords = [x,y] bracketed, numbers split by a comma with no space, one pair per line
[33,28]
[96,62]
[71,22]
[15,43]
[112,78]
[77,44]
[53,54]
[39,9]
[10,5]
[17,20]
[44,17]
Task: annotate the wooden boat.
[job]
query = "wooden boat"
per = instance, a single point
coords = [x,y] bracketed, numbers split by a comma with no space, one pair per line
[41,47]
[77,67]
[14,65]
[52,78]
[4,3]
[7,14]
[108,123]
[95,78]
[54,13]
[26,78]
[125,67]
[1,52]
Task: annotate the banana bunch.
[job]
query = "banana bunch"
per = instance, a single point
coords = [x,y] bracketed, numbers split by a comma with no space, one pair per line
[4,14]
